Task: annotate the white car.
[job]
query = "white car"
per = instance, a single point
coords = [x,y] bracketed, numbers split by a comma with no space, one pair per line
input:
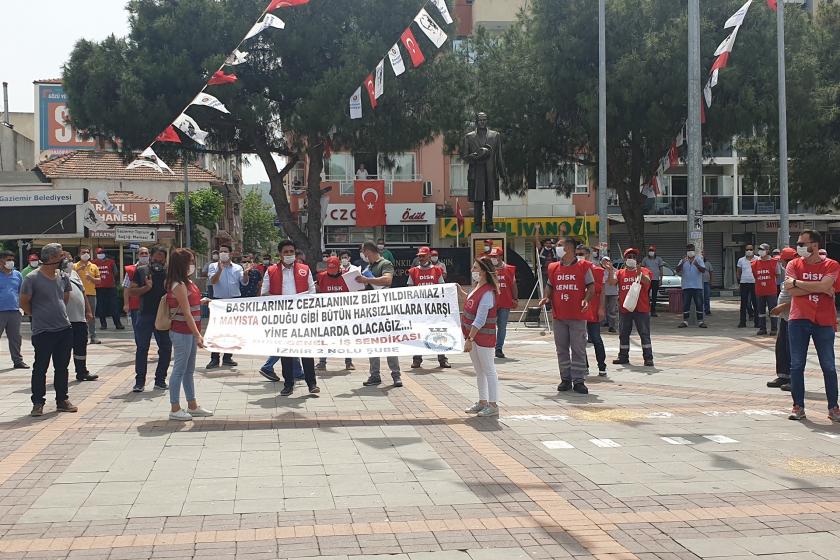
[669,281]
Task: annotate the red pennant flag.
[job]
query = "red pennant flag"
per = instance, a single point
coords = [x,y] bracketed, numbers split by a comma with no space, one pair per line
[219,78]
[169,135]
[673,155]
[702,112]
[370,86]
[654,183]
[459,216]
[275,4]
[720,62]
[413,48]
[772,4]
[370,203]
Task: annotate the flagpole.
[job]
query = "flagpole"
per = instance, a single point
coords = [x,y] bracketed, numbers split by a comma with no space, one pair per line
[187,232]
[694,211]
[603,218]
[784,215]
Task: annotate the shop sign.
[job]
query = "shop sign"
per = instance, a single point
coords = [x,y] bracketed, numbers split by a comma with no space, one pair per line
[578,226]
[133,212]
[43,197]
[422,213]
[54,133]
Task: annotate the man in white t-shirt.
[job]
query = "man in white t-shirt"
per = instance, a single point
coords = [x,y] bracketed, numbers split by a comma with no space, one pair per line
[361,173]
[746,279]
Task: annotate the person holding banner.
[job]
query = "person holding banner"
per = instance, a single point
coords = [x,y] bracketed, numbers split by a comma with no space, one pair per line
[378,274]
[425,274]
[478,323]
[638,314]
[331,282]
[508,296]
[287,278]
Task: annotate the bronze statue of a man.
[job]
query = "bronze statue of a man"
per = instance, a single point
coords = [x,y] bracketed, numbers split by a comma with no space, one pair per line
[482,150]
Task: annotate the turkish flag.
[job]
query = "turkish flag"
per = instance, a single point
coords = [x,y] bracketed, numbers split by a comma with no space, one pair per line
[285,4]
[370,203]
[459,216]
[673,155]
[410,41]
[219,78]
[772,4]
[720,62]
[169,135]
[370,86]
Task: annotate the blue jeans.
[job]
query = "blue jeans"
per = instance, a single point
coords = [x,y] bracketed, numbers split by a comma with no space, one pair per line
[133,314]
[707,298]
[593,330]
[183,367]
[695,295]
[502,316]
[297,367]
[143,331]
[800,332]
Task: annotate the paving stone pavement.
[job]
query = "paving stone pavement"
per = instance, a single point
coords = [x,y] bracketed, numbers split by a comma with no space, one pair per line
[692,459]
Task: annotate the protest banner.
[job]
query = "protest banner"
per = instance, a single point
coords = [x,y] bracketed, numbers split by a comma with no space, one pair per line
[395,322]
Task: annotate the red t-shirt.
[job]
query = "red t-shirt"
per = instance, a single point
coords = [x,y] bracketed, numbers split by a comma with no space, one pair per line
[626,277]
[568,288]
[765,276]
[817,308]
[595,304]
[507,276]
[331,284]
[425,276]
[106,273]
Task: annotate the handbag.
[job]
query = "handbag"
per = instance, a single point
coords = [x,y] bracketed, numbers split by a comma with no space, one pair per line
[632,298]
[163,318]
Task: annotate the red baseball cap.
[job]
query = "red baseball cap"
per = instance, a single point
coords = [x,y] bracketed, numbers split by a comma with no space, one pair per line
[630,250]
[423,251]
[333,263]
[496,252]
[434,253]
[788,254]
[100,250]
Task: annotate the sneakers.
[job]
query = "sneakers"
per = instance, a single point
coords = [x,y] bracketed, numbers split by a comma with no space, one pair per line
[682,325]
[565,385]
[229,363]
[580,388]
[20,365]
[612,329]
[182,416]
[773,332]
[138,388]
[287,390]
[703,325]
[200,412]
[474,409]
[489,411]
[834,414]
[120,327]
[742,325]
[66,406]
[444,363]
[416,364]
[500,354]
[785,387]
[87,377]
[649,363]
[212,364]
[95,341]
[37,410]
[268,374]
[161,385]
[314,389]
[350,367]
[776,383]
[602,372]
[320,367]
[619,361]
[372,381]
[797,413]
[398,382]
[761,332]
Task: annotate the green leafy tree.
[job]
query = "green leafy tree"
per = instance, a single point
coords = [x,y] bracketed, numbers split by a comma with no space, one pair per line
[258,229]
[291,97]
[206,209]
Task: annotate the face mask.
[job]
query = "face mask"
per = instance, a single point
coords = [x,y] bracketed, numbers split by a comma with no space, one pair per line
[345,262]
[34,264]
[651,253]
[749,253]
[434,259]
[214,258]
[476,276]
[9,265]
[364,258]
[690,254]
[631,263]
[224,257]
[560,252]
[68,268]
[495,262]
[192,270]
[762,253]
[289,259]
[803,251]
[143,260]
[324,259]
[381,247]
[488,248]
[266,262]
[100,256]
[85,257]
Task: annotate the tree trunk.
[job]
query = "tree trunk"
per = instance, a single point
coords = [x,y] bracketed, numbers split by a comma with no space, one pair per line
[630,197]
[278,194]
[315,155]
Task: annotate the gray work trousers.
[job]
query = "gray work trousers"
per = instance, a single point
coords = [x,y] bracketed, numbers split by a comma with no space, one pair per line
[611,312]
[10,324]
[626,322]
[393,365]
[92,323]
[570,341]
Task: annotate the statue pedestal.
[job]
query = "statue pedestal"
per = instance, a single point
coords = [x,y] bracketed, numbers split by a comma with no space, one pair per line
[478,242]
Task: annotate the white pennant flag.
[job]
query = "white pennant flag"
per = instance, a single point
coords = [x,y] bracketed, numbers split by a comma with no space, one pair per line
[189,127]
[726,45]
[268,21]
[396,60]
[443,9]
[150,154]
[356,104]
[148,158]
[236,57]
[707,93]
[430,28]
[209,101]
[714,79]
[106,203]
[379,88]
[738,17]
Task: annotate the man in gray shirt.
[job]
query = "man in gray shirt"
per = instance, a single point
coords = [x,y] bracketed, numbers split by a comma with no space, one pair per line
[654,263]
[43,295]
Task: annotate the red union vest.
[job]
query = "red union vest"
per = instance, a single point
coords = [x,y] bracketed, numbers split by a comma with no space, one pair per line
[507,276]
[765,276]
[626,278]
[486,336]
[133,301]
[275,279]
[595,302]
[331,284]
[106,273]
[425,276]
[817,308]
[568,288]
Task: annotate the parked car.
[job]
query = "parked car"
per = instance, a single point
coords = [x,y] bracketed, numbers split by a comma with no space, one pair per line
[670,280]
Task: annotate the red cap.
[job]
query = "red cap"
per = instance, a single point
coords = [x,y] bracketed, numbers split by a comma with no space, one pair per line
[496,252]
[630,250]
[333,263]
[788,254]
[100,250]
[434,253]
[423,252]
[652,248]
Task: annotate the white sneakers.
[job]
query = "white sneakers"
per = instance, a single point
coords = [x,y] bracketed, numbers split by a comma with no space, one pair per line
[200,412]
[474,408]
[185,416]
[483,410]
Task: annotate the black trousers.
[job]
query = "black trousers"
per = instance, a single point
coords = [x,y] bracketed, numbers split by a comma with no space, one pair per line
[654,289]
[593,330]
[308,371]
[80,341]
[107,305]
[55,346]
[783,351]
[483,209]
[748,304]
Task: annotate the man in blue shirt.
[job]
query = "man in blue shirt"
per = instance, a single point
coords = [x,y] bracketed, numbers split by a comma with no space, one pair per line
[691,269]
[10,281]
[227,278]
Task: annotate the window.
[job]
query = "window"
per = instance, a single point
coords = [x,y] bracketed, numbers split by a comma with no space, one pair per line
[581,179]
[574,175]
[457,177]
[711,185]
[340,167]
[347,236]
[407,235]
[398,167]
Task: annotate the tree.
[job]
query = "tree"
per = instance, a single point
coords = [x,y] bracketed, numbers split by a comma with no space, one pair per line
[291,97]
[259,232]
[206,208]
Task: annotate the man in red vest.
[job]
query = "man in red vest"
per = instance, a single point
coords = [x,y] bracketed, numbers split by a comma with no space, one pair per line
[766,271]
[425,274]
[330,281]
[640,316]
[106,291]
[507,299]
[570,288]
[131,304]
[286,278]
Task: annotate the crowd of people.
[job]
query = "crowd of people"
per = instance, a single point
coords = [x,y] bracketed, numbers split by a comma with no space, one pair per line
[584,291]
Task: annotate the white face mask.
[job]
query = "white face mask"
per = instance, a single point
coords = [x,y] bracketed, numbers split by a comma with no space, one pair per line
[631,263]
[10,265]
[803,251]
[192,270]
[651,253]
[364,258]
[690,254]
[495,261]
[34,264]
[224,257]
[762,253]
[434,259]
[214,258]
[381,247]
[345,262]
[68,269]
[749,253]
[86,257]
[266,262]
[288,259]
[100,256]
[560,252]
[143,260]
[476,276]
[324,259]
[488,248]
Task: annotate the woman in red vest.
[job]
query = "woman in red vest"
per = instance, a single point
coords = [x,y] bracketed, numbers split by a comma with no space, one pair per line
[478,323]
